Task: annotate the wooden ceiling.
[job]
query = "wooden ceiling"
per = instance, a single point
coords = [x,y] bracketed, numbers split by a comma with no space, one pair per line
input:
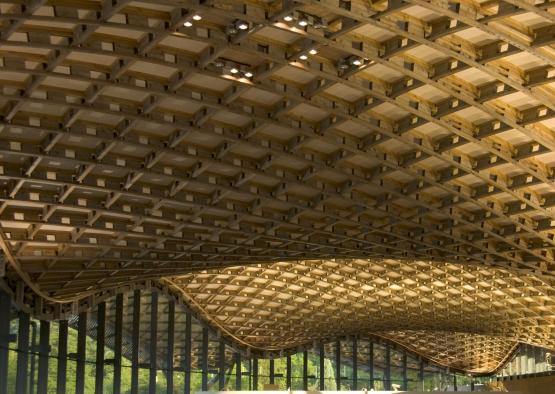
[149,139]
[462,316]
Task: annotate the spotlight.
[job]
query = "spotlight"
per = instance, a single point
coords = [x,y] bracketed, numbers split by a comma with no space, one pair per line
[248,74]
[303,57]
[234,70]
[197,17]
[242,25]
[355,61]
[343,65]
[313,51]
[231,30]
[188,24]
[288,18]
[219,64]
[303,22]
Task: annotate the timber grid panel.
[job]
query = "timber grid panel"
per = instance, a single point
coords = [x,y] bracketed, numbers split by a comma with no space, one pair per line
[174,141]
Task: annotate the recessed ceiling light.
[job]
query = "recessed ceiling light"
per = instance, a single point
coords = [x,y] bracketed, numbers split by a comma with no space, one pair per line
[248,74]
[313,51]
[197,17]
[234,70]
[242,25]
[303,22]
[303,57]
[188,24]
[288,18]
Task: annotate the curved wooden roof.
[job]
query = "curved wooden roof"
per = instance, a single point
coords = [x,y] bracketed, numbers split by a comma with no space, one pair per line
[465,317]
[151,139]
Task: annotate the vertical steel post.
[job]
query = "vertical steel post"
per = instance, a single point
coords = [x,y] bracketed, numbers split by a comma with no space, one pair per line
[204,359]
[355,365]
[153,349]
[81,353]
[272,376]
[170,347]
[239,372]
[322,369]
[5,312]
[62,358]
[32,352]
[387,372]
[405,374]
[100,343]
[188,347]
[288,372]
[421,374]
[118,342]
[338,365]
[255,373]
[371,363]
[305,370]
[135,342]
[44,352]
[23,352]
[221,365]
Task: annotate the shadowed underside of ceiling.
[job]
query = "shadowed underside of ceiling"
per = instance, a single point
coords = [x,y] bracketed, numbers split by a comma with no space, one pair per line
[144,140]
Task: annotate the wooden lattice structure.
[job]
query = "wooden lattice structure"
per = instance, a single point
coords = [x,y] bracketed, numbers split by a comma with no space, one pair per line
[142,140]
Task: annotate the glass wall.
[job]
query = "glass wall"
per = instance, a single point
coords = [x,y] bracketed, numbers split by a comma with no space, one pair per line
[529,360]
[146,343]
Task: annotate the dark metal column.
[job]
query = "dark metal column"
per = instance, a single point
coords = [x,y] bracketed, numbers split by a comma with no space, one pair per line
[153,350]
[322,369]
[238,374]
[187,363]
[4,340]
[288,372]
[135,342]
[387,372]
[118,341]
[405,376]
[23,352]
[272,371]
[169,349]
[33,346]
[255,373]
[338,365]
[221,366]
[62,358]
[204,359]
[355,365]
[100,342]
[421,375]
[44,352]
[305,370]
[81,353]
[455,382]
[371,363]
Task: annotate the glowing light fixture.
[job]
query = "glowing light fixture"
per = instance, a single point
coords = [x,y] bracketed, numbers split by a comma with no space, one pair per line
[248,74]
[288,18]
[188,24]
[234,70]
[197,17]
[303,22]
[242,25]
[313,51]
